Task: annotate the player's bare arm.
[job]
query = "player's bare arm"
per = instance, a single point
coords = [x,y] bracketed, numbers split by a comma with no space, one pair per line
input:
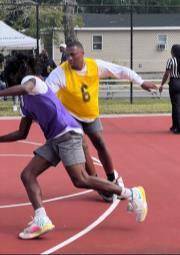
[19,134]
[164,79]
[18,90]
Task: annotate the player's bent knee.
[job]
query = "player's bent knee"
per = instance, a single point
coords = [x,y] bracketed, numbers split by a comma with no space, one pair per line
[80,182]
[26,176]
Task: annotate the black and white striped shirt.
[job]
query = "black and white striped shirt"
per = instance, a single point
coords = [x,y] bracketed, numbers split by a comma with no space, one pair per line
[172,67]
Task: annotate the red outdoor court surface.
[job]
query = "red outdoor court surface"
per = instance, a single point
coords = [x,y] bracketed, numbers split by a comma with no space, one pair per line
[144,153]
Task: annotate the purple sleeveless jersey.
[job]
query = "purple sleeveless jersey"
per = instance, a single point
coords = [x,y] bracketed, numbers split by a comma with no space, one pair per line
[48,111]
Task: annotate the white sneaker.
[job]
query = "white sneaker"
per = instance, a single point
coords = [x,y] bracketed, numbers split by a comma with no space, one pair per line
[138,204]
[39,226]
[120,182]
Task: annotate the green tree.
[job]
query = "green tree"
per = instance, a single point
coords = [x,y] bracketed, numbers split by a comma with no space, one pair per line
[21,15]
[69,20]
[16,13]
[51,17]
[120,6]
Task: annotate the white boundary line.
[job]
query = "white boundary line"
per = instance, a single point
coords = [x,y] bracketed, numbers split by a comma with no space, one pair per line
[85,230]
[134,115]
[29,142]
[10,118]
[107,115]
[16,155]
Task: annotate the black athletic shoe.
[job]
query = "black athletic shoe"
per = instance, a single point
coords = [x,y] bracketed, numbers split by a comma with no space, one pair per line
[176,131]
[172,129]
[108,197]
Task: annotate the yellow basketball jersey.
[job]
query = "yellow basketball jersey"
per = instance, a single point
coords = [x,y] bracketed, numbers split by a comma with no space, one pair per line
[80,95]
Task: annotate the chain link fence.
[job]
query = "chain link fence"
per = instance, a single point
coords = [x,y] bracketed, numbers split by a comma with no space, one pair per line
[139,37]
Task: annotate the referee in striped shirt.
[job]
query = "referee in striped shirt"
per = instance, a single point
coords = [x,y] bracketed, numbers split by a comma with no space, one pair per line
[173,74]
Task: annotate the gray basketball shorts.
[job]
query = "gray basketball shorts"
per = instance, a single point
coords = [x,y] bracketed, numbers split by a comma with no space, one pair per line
[66,148]
[91,127]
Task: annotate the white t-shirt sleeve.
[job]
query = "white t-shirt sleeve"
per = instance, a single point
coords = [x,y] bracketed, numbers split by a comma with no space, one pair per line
[108,69]
[56,79]
[40,86]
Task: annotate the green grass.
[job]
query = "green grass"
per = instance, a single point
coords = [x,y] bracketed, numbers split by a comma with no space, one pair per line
[111,106]
[6,108]
[123,106]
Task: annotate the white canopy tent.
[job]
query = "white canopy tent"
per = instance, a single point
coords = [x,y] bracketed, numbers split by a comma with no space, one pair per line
[10,39]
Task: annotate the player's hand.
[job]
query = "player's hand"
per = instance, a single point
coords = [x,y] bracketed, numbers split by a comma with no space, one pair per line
[149,85]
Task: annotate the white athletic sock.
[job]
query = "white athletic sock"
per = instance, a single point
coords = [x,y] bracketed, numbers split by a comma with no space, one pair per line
[126,193]
[40,212]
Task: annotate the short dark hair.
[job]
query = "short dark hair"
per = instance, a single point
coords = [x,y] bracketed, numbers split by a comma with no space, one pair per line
[74,43]
[176,50]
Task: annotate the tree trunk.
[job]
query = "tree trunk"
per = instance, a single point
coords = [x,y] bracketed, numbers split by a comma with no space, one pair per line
[69,20]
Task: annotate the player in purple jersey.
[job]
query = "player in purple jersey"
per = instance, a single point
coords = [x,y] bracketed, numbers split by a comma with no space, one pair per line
[64,143]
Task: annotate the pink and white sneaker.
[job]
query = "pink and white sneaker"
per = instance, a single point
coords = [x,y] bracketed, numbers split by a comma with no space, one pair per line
[39,226]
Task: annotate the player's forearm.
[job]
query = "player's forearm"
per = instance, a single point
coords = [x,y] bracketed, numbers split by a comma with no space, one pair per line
[12,91]
[164,79]
[134,77]
[12,137]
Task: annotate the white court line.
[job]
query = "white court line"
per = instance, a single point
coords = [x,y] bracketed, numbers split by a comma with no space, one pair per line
[95,159]
[109,116]
[85,230]
[51,199]
[29,142]
[15,155]
[44,201]
[106,115]
[47,200]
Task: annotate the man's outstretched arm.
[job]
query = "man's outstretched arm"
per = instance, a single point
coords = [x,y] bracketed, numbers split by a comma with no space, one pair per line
[108,69]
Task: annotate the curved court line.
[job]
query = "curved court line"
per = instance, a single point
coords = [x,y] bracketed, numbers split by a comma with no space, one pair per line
[85,230]
[82,232]
[95,161]
[47,200]
[51,199]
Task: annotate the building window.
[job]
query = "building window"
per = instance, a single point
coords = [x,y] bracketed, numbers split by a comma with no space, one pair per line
[162,42]
[97,42]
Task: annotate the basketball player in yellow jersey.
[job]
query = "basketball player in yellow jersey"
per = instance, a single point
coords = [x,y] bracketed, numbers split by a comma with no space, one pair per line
[76,83]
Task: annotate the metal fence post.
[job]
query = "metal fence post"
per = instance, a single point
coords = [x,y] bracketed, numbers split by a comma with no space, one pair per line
[37,27]
[131,51]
